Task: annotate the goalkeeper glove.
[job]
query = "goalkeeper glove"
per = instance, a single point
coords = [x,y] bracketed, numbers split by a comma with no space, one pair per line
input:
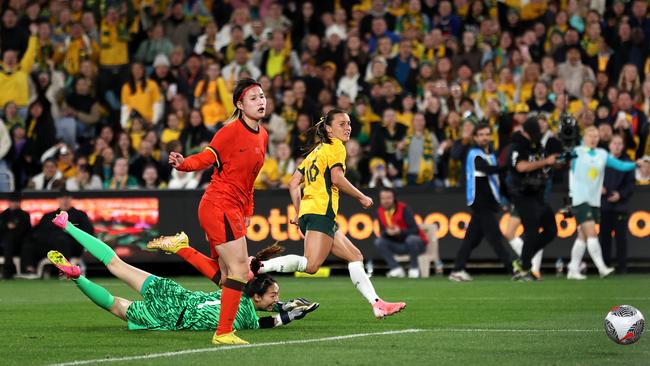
[291,304]
[297,313]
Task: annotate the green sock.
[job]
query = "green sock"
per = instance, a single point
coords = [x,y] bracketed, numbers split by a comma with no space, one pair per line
[96,247]
[95,292]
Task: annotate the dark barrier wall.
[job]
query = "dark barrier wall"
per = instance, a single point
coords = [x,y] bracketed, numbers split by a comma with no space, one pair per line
[177,211]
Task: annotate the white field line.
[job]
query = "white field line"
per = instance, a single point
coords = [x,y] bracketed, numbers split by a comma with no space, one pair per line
[225,348]
[326,339]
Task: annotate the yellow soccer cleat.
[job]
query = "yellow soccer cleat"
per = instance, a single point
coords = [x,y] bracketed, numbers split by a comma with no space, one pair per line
[227,338]
[170,244]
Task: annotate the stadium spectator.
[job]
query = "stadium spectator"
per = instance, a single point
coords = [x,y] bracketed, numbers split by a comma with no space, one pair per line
[156,44]
[120,177]
[240,63]
[150,178]
[140,95]
[178,28]
[642,174]
[49,179]
[83,109]
[83,180]
[617,191]
[213,98]
[419,149]
[399,234]
[15,227]
[14,75]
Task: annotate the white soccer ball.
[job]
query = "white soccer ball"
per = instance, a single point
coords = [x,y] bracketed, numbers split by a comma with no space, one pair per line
[624,324]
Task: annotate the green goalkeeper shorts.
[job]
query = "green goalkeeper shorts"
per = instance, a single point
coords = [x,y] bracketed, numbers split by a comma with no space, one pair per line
[162,307]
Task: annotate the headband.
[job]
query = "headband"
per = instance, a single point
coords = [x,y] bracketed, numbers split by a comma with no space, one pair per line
[246,91]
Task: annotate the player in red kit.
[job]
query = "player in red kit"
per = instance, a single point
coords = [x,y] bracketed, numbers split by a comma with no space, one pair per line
[237,153]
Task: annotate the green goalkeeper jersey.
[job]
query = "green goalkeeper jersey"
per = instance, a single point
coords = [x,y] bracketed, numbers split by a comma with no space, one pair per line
[169,306]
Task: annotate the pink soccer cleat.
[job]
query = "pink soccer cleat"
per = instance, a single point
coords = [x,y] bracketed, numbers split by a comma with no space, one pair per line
[383,309]
[61,220]
[71,271]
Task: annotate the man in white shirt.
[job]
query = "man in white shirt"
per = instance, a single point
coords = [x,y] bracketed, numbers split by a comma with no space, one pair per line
[240,63]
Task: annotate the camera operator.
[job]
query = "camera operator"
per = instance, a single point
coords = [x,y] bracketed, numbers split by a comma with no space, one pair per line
[585,186]
[482,193]
[529,171]
[552,146]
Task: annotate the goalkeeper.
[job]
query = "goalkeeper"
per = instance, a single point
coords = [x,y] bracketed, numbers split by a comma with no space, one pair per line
[167,305]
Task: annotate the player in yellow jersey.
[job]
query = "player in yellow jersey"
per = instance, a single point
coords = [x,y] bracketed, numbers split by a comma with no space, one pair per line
[323,174]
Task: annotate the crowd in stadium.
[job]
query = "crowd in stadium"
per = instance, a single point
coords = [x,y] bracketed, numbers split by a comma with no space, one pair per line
[95,94]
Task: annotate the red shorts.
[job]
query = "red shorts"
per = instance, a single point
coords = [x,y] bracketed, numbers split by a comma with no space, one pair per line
[221,223]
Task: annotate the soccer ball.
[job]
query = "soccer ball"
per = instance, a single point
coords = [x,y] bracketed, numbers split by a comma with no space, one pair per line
[624,324]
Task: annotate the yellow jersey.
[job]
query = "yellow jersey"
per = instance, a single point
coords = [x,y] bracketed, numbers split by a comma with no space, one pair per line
[320,196]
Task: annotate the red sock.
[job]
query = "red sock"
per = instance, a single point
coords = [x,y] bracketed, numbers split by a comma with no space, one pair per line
[230,297]
[207,266]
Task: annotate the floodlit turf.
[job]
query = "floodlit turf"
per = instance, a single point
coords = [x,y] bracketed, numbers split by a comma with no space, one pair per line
[491,321]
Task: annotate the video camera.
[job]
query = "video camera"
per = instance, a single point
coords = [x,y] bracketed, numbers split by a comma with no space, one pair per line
[569,136]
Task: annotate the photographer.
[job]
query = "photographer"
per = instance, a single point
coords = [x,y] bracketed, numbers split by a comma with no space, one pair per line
[585,186]
[530,166]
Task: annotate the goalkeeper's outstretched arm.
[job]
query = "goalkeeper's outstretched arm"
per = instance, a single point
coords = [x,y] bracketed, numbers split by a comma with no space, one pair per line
[288,312]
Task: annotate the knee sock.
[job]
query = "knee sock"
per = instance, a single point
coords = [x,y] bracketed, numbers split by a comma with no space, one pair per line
[362,282]
[517,244]
[577,252]
[536,262]
[230,297]
[99,295]
[596,254]
[96,247]
[207,266]
[284,264]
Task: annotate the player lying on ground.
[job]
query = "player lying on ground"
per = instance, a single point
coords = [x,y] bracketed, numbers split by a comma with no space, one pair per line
[166,305]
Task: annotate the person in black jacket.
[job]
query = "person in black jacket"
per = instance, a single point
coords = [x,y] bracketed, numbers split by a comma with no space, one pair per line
[484,198]
[617,190]
[14,229]
[47,236]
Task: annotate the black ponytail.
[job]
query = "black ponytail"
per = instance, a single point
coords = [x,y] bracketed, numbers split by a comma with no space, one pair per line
[318,133]
[258,285]
[240,87]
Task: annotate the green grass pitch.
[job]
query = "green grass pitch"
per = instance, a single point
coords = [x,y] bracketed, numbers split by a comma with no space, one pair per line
[491,321]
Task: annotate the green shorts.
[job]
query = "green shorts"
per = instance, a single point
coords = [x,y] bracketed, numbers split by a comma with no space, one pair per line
[320,223]
[161,308]
[584,213]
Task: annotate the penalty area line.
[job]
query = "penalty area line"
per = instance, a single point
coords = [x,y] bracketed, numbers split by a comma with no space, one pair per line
[225,348]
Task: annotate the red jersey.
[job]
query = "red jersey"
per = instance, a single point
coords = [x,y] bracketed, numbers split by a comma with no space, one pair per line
[237,152]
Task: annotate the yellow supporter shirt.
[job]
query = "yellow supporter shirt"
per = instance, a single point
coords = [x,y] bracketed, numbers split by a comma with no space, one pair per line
[141,100]
[14,85]
[114,50]
[168,135]
[320,196]
[269,171]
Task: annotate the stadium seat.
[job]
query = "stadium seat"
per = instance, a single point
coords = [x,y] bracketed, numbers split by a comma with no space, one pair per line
[430,255]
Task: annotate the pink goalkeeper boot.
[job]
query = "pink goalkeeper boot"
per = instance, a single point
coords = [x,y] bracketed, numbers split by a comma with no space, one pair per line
[61,220]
